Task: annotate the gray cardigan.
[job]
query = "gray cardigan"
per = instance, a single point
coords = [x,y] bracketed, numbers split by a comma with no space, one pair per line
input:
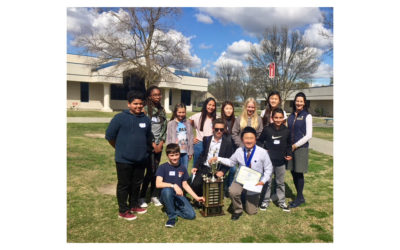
[236,130]
[171,134]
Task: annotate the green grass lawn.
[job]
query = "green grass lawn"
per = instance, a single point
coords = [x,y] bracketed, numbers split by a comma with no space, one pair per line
[323,133]
[92,215]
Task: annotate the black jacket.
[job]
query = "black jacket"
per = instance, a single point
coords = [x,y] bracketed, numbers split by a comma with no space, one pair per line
[226,150]
[276,142]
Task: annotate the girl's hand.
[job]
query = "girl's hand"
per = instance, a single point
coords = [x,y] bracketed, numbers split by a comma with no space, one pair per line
[294,147]
[195,140]
[219,174]
[190,157]
[288,158]
[200,199]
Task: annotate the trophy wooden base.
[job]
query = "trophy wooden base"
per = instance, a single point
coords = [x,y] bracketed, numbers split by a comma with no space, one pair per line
[213,193]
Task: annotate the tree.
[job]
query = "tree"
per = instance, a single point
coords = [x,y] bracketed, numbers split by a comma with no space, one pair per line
[225,85]
[295,62]
[328,24]
[140,39]
[246,87]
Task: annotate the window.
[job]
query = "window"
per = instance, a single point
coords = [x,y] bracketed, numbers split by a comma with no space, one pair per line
[84,92]
[118,92]
[185,97]
[170,97]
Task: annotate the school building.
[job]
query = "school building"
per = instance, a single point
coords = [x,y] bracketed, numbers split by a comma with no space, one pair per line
[320,100]
[102,88]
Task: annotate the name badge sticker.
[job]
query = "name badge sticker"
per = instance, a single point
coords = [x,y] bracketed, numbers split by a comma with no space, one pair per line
[277,142]
[171,173]
[155,119]
[142,125]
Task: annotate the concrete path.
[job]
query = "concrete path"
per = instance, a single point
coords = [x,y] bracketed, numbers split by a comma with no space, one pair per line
[322,146]
[88,119]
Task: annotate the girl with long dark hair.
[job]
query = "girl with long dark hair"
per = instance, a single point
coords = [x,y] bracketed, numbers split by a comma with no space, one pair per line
[202,122]
[300,125]
[274,101]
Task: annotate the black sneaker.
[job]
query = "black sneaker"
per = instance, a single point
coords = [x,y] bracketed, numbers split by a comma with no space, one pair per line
[264,206]
[296,203]
[236,216]
[170,223]
[284,207]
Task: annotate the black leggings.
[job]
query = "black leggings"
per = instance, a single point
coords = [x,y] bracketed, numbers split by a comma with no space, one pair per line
[150,178]
[298,179]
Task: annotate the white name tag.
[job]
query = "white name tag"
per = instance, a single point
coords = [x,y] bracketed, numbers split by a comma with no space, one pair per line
[171,173]
[142,125]
[155,119]
[277,142]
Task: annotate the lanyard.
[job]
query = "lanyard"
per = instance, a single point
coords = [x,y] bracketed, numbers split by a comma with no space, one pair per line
[247,162]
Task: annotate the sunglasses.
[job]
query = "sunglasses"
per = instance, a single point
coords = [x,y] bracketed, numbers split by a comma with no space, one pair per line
[219,129]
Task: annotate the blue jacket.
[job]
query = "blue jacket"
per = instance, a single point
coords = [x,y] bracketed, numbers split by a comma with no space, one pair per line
[297,126]
[132,136]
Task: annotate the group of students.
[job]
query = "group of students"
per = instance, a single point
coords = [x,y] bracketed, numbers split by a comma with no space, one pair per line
[264,143]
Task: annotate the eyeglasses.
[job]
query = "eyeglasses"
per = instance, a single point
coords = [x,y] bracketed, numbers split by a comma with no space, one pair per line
[219,129]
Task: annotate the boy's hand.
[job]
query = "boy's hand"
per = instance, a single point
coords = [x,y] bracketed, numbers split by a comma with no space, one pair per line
[219,174]
[178,190]
[200,199]
[194,170]
[288,158]
[212,160]
[260,183]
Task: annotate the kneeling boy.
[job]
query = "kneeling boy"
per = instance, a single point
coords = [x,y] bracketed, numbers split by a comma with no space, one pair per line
[171,178]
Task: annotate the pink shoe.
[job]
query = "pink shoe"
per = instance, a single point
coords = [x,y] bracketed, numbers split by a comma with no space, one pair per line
[127,216]
[138,210]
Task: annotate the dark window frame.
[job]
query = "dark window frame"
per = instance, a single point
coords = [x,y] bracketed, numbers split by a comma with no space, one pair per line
[84,91]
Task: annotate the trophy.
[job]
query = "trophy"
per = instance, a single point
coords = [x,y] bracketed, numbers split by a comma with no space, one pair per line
[213,193]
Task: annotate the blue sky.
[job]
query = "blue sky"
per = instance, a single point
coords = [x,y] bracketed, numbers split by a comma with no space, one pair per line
[216,35]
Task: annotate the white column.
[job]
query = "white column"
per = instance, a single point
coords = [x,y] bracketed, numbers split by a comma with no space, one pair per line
[166,100]
[106,93]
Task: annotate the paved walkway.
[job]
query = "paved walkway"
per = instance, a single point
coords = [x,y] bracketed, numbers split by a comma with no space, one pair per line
[88,119]
[320,145]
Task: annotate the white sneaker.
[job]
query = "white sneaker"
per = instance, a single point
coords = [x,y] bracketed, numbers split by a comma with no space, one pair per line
[264,206]
[156,201]
[142,203]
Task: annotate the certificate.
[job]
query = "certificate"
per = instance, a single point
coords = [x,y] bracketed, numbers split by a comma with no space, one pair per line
[247,176]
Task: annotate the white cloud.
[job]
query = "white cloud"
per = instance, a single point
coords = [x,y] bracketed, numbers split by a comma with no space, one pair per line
[255,20]
[236,53]
[203,18]
[205,46]
[324,71]
[314,37]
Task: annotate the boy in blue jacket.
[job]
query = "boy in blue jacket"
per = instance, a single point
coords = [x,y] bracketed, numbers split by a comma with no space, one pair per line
[129,132]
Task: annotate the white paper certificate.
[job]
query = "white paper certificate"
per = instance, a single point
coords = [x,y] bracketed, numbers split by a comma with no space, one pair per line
[247,176]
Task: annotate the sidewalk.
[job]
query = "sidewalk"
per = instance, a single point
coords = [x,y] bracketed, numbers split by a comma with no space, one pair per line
[89,119]
[322,146]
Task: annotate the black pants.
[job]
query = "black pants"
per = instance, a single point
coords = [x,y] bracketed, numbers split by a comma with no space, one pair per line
[130,177]
[154,162]
[197,183]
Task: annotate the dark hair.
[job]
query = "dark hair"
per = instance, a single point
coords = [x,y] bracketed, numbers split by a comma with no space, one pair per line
[248,130]
[172,148]
[150,104]
[268,108]
[277,110]
[218,121]
[177,106]
[204,112]
[132,95]
[300,94]
[225,118]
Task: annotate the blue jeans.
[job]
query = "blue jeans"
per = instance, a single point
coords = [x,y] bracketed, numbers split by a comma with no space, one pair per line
[198,149]
[184,160]
[176,205]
